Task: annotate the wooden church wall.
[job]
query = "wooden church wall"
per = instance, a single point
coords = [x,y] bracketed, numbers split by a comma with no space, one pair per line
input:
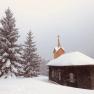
[92,76]
[82,76]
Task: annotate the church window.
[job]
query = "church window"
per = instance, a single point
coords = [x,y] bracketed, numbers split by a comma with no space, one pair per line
[71,77]
[52,73]
[59,75]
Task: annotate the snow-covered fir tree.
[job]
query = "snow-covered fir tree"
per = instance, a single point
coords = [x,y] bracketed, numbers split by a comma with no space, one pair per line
[9,50]
[30,56]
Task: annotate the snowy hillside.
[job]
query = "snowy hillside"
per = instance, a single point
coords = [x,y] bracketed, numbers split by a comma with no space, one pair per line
[34,86]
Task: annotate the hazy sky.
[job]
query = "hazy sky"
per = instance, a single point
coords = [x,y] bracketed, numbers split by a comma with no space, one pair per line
[73,20]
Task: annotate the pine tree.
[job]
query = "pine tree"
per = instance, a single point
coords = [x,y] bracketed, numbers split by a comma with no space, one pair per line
[9,50]
[31,59]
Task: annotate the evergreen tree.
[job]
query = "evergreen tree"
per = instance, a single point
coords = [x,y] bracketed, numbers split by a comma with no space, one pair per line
[9,50]
[31,59]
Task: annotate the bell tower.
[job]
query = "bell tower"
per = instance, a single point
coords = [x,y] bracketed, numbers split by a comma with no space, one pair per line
[58,50]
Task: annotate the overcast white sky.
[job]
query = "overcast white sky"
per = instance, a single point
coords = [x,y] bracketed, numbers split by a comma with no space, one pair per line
[73,20]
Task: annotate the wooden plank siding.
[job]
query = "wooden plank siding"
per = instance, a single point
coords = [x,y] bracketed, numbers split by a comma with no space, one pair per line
[75,76]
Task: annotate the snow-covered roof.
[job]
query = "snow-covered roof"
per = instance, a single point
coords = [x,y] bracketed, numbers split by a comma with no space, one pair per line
[57,48]
[72,59]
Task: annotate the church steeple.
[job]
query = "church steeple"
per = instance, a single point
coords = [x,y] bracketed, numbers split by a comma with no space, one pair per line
[58,51]
[58,41]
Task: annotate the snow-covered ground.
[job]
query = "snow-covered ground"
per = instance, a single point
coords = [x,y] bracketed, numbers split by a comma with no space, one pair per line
[35,86]
[44,79]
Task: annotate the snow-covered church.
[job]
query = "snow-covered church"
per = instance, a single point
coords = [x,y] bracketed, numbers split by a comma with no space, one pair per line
[71,69]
